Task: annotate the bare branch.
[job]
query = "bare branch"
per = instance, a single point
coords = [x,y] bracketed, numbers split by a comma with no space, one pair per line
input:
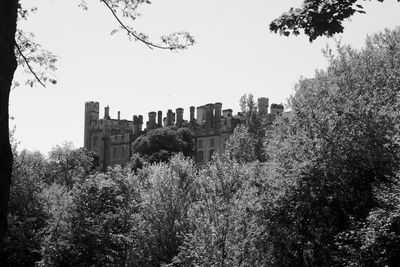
[27,63]
[137,37]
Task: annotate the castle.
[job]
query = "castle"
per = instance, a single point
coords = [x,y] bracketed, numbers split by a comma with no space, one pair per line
[111,139]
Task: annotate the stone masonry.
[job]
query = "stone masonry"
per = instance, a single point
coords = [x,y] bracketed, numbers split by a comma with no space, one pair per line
[111,139]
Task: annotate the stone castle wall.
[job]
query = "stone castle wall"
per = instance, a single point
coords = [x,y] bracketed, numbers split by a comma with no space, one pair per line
[111,139]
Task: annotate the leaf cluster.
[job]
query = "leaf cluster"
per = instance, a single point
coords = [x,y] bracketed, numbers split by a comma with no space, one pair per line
[316,18]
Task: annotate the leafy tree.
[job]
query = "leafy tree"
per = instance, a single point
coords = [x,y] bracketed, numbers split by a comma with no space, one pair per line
[56,245]
[224,227]
[254,125]
[241,145]
[136,163]
[160,144]
[334,155]
[10,11]
[317,18]
[168,189]
[375,241]
[104,220]
[67,165]
[27,211]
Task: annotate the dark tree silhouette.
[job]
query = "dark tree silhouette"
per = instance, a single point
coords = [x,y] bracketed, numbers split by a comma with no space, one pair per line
[8,64]
[317,18]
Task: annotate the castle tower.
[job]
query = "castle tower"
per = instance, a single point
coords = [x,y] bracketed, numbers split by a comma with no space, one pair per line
[200,114]
[209,115]
[173,118]
[170,118]
[179,117]
[192,114]
[107,113]
[227,113]
[91,114]
[140,120]
[217,116]
[151,124]
[137,125]
[263,104]
[159,119]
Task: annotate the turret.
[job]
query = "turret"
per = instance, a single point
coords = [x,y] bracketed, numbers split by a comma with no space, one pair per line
[217,112]
[200,114]
[209,115]
[107,113]
[140,119]
[159,119]
[227,113]
[170,118]
[263,104]
[192,115]
[151,124]
[137,125]
[179,117]
[91,114]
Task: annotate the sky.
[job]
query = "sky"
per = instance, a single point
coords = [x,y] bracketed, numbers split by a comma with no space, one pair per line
[235,53]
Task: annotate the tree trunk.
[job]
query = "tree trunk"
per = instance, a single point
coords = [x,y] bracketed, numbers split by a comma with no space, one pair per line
[8,64]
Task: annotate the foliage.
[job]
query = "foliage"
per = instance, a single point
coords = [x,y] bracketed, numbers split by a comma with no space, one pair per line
[56,245]
[13,40]
[254,125]
[160,144]
[67,165]
[31,56]
[168,191]
[316,18]
[376,241]
[247,104]
[335,154]
[241,145]
[125,12]
[42,61]
[225,231]
[136,163]
[104,219]
[328,195]
[27,216]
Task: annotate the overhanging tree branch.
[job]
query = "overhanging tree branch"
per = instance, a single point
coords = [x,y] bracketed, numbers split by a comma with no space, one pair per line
[136,36]
[27,63]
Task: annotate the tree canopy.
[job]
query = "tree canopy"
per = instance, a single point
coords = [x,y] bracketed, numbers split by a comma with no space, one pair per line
[338,155]
[317,18]
[160,144]
[327,194]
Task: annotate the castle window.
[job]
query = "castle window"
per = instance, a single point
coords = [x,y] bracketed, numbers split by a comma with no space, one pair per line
[212,142]
[200,156]
[200,143]
[115,152]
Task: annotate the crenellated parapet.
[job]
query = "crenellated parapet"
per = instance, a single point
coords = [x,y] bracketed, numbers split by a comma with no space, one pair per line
[137,125]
